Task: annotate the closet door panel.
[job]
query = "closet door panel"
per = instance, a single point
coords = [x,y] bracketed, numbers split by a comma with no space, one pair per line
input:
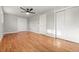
[50,23]
[21,24]
[60,18]
[34,24]
[42,24]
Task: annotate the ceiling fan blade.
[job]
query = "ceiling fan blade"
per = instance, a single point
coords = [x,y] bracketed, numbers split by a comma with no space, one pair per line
[27,9]
[31,9]
[32,12]
[23,8]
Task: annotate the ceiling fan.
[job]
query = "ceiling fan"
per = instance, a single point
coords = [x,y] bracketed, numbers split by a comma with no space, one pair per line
[27,10]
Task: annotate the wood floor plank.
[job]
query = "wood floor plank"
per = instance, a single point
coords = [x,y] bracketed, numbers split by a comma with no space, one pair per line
[33,42]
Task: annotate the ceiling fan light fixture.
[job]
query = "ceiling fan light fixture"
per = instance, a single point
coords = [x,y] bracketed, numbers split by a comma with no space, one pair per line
[27,13]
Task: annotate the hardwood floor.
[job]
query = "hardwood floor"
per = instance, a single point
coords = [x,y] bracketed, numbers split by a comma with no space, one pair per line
[33,42]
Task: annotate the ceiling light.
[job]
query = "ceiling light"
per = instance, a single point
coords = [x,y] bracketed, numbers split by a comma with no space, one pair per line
[27,13]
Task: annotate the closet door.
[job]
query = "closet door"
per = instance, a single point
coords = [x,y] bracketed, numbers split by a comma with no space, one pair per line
[50,23]
[60,19]
[42,24]
[21,24]
[34,24]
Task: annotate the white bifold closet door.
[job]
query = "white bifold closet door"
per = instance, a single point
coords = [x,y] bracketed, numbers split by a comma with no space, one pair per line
[60,18]
[21,24]
[42,24]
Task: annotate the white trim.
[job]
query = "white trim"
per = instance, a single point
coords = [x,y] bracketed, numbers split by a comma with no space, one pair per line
[59,10]
[13,32]
[1,36]
[9,32]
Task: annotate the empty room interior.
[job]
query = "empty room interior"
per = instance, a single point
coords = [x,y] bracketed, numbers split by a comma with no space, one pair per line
[39,28]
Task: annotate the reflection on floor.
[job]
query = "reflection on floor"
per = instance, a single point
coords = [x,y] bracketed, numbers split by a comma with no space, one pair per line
[29,41]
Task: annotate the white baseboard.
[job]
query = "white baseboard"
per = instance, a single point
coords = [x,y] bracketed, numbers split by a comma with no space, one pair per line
[1,36]
[11,32]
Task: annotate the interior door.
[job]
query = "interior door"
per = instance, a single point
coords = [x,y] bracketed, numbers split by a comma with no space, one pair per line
[21,24]
[60,19]
[42,24]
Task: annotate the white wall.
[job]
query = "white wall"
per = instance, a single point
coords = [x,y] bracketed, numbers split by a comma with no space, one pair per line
[10,23]
[68,24]
[42,23]
[14,23]
[1,22]
[72,24]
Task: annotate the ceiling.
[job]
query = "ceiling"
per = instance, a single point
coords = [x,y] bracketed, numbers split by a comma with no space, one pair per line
[15,10]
